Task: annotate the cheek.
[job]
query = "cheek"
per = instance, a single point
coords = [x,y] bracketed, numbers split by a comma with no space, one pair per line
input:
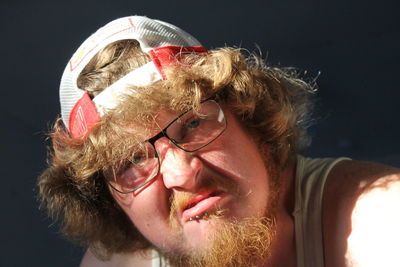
[148,210]
[244,161]
[256,191]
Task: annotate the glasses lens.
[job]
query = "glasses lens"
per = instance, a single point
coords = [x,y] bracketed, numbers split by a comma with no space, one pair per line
[142,167]
[190,132]
[194,130]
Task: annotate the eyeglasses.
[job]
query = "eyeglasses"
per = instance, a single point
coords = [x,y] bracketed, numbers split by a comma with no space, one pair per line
[190,131]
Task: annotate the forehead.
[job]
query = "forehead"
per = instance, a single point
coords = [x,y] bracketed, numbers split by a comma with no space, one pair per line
[159,121]
[165,118]
[155,123]
[149,110]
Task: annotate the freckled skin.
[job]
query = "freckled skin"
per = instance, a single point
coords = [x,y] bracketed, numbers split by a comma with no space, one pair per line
[234,155]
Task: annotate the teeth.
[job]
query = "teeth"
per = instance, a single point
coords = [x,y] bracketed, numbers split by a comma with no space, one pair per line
[199,217]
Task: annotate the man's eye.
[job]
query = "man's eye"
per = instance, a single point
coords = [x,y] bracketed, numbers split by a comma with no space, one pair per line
[193,124]
[137,159]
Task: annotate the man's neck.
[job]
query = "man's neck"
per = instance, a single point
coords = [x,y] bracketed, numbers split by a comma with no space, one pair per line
[283,250]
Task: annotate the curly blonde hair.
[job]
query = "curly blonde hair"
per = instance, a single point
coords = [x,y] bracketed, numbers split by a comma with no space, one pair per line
[272,103]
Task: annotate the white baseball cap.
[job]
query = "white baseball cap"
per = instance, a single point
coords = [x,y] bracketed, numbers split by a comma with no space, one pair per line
[160,40]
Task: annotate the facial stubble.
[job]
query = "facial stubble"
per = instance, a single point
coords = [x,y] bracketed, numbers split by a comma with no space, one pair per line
[245,242]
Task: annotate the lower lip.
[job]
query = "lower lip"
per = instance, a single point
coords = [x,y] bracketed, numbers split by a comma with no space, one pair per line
[201,207]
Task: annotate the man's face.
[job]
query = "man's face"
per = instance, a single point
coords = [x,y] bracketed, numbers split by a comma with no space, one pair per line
[196,193]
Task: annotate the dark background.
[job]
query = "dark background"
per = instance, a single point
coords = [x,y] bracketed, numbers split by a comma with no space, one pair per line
[354,44]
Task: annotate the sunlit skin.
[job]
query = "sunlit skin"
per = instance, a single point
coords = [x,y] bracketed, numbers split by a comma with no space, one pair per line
[234,156]
[382,202]
[360,227]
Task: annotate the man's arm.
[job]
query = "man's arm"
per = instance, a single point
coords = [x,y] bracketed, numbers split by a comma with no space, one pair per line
[375,233]
[362,215]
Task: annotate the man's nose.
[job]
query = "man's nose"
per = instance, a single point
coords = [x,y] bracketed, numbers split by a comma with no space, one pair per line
[179,169]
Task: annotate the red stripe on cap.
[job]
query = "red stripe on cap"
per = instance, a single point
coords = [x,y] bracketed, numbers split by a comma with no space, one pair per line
[131,22]
[83,117]
[167,55]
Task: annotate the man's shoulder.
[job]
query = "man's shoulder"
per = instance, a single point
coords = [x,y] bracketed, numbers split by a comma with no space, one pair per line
[362,214]
[142,259]
[375,222]
[353,180]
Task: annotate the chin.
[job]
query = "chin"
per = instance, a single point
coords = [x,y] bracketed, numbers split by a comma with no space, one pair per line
[223,242]
[197,236]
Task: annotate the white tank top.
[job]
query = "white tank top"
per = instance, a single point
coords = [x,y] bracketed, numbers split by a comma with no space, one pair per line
[311,176]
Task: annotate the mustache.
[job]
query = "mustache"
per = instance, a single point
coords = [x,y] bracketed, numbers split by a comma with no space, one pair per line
[179,200]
